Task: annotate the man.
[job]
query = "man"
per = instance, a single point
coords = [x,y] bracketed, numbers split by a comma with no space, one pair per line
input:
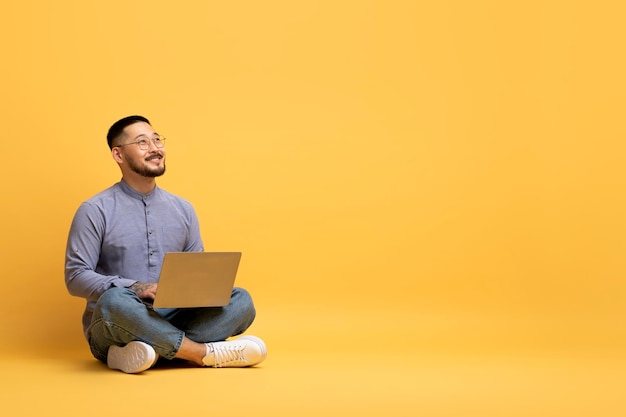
[115,249]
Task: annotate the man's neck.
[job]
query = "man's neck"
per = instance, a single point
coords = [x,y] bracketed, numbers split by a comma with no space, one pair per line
[144,185]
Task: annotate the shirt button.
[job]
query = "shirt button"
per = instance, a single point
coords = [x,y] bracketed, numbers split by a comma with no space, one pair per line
[151,252]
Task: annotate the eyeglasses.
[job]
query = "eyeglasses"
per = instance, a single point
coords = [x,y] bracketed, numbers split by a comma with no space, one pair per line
[144,144]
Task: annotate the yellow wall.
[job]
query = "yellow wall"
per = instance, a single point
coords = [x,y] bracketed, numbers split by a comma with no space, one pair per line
[460,161]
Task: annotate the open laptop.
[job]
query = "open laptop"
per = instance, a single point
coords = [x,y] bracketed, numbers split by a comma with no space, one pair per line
[196,279]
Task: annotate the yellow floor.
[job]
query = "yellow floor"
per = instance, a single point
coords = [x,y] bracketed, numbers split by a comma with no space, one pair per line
[327,366]
[289,384]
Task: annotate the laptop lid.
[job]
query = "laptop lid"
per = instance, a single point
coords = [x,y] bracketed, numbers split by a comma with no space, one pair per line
[196,279]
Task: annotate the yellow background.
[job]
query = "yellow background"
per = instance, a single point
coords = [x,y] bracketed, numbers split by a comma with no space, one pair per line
[406,179]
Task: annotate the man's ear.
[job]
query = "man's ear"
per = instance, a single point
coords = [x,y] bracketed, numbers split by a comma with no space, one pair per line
[117,155]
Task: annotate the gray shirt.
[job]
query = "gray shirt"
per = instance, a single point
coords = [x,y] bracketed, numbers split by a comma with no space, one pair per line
[120,236]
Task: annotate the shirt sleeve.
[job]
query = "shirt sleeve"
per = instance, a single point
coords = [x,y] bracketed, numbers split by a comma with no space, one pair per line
[83,253]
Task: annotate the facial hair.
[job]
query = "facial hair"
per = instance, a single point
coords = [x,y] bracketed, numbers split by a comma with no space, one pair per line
[145,170]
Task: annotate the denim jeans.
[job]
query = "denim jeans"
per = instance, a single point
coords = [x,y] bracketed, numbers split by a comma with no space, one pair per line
[121,317]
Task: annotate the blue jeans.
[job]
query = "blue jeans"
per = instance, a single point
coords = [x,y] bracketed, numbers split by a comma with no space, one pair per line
[121,317]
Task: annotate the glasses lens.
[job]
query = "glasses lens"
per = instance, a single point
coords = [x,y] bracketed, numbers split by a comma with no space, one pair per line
[158,142]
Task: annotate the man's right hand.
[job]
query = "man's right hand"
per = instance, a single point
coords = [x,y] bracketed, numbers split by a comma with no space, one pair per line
[145,290]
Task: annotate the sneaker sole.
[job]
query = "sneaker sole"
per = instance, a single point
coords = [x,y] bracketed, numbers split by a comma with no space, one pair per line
[133,358]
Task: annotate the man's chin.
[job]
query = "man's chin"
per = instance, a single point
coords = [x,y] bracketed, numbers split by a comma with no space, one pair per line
[151,173]
[154,174]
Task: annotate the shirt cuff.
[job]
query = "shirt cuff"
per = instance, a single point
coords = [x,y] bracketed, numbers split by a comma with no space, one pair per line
[123,282]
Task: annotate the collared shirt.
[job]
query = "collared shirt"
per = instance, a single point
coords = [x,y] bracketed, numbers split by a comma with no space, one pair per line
[120,236]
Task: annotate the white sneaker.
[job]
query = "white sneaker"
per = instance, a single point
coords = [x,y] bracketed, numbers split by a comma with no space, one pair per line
[238,353]
[133,358]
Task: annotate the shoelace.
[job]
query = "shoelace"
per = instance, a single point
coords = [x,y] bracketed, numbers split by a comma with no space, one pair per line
[227,354]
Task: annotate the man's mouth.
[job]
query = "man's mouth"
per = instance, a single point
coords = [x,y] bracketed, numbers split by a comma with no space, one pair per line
[155,156]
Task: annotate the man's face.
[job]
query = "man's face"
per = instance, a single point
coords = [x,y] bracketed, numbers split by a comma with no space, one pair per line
[147,163]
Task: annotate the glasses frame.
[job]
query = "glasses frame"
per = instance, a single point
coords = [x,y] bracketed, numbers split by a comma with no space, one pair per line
[144,144]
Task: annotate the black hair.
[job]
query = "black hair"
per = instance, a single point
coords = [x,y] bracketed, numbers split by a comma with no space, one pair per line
[118,127]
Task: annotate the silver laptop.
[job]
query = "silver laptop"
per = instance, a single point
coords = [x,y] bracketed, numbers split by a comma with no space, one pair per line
[196,279]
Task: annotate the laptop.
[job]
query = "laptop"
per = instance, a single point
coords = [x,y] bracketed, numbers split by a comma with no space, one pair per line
[196,279]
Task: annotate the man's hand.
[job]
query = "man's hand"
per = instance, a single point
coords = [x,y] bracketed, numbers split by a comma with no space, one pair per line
[145,290]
